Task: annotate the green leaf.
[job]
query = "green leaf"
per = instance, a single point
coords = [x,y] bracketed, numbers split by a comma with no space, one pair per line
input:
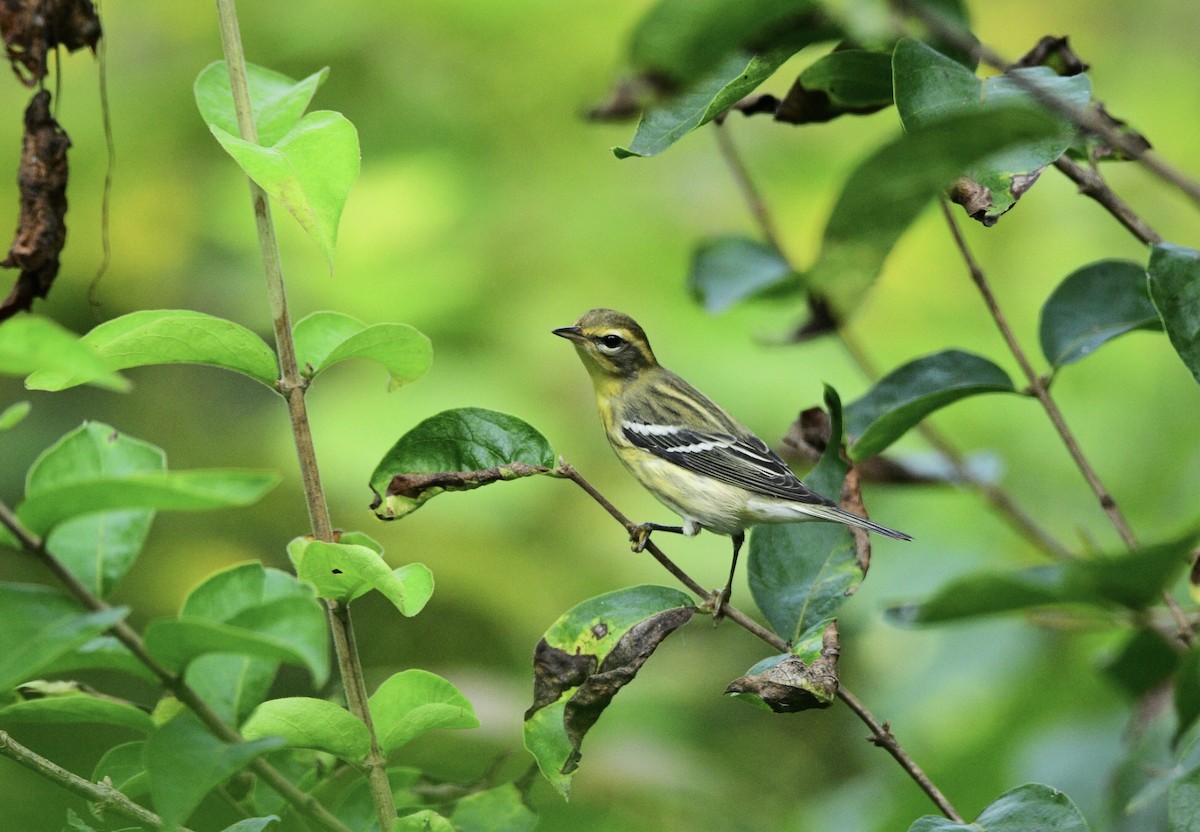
[344,571]
[124,767]
[678,41]
[98,549]
[1093,305]
[309,170]
[277,101]
[584,659]
[1144,662]
[886,192]
[232,685]
[800,573]
[325,338]
[470,446]
[931,88]
[12,415]
[29,344]
[251,824]
[1187,693]
[855,81]
[414,701]
[171,336]
[1023,809]
[1183,803]
[1175,289]
[232,591]
[499,809]
[1133,580]
[100,653]
[74,706]
[310,723]
[736,76]
[163,490]
[726,270]
[41,624]
[906,395]
[425,820]
[249,611]
[283,630]
[185,762]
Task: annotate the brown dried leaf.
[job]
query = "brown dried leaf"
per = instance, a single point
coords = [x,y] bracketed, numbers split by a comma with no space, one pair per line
[33,28]
[852,501]
[1054,53]
[791,685]
[41,228]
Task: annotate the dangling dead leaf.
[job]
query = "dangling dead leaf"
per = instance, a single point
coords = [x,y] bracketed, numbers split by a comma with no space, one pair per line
[33,28]
[791,685]
[41,228]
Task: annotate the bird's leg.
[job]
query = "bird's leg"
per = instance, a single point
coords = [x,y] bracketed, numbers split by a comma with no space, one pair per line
[640,536]
[723,598]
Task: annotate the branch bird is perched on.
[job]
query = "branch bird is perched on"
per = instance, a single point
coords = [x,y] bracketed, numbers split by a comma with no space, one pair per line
[688,452]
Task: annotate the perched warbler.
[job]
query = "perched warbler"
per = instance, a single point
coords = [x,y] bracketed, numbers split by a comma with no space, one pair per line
[686,450]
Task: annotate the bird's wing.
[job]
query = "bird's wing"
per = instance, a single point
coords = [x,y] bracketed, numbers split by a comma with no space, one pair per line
[745,461]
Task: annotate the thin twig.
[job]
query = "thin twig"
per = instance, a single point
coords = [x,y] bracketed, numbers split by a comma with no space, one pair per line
[304,802]
[101,793]
[1085,118]
[1092,184]
[750,193]
[997,497]
[1037,384]
[293,387]
[881,734]
[1041,391]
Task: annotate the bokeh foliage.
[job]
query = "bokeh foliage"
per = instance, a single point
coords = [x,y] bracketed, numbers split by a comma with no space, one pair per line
[487,213]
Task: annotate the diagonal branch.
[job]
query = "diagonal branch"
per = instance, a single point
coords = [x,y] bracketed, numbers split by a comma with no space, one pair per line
[1040,390]
[103,794]
[305,803]
[881,733]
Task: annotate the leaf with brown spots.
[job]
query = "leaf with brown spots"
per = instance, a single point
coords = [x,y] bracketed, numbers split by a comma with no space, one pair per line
[584,659]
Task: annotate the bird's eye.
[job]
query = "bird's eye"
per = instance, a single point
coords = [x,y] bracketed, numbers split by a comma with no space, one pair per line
[611,343]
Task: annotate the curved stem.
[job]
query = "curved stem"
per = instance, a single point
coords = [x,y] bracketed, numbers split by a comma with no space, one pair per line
[881,734]
[293,387]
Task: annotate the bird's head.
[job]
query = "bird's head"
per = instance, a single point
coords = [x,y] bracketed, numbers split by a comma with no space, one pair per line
[611,344]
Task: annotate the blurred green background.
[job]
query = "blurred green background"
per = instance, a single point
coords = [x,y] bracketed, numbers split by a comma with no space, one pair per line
[489,212]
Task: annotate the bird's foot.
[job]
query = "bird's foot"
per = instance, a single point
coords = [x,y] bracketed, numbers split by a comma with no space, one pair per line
[718,601]
[639,537]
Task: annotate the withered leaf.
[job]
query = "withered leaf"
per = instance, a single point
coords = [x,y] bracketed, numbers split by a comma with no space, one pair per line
[1055,53]
[33,28]
[791,685]
[556,671]
[41,227]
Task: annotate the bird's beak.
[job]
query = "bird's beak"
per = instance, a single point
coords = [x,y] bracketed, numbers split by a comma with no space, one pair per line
[571,333]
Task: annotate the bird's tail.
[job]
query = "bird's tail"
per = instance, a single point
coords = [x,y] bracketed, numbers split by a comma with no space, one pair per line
[838,515]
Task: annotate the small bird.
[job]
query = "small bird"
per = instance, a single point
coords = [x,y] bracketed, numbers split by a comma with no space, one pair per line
[685,449]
